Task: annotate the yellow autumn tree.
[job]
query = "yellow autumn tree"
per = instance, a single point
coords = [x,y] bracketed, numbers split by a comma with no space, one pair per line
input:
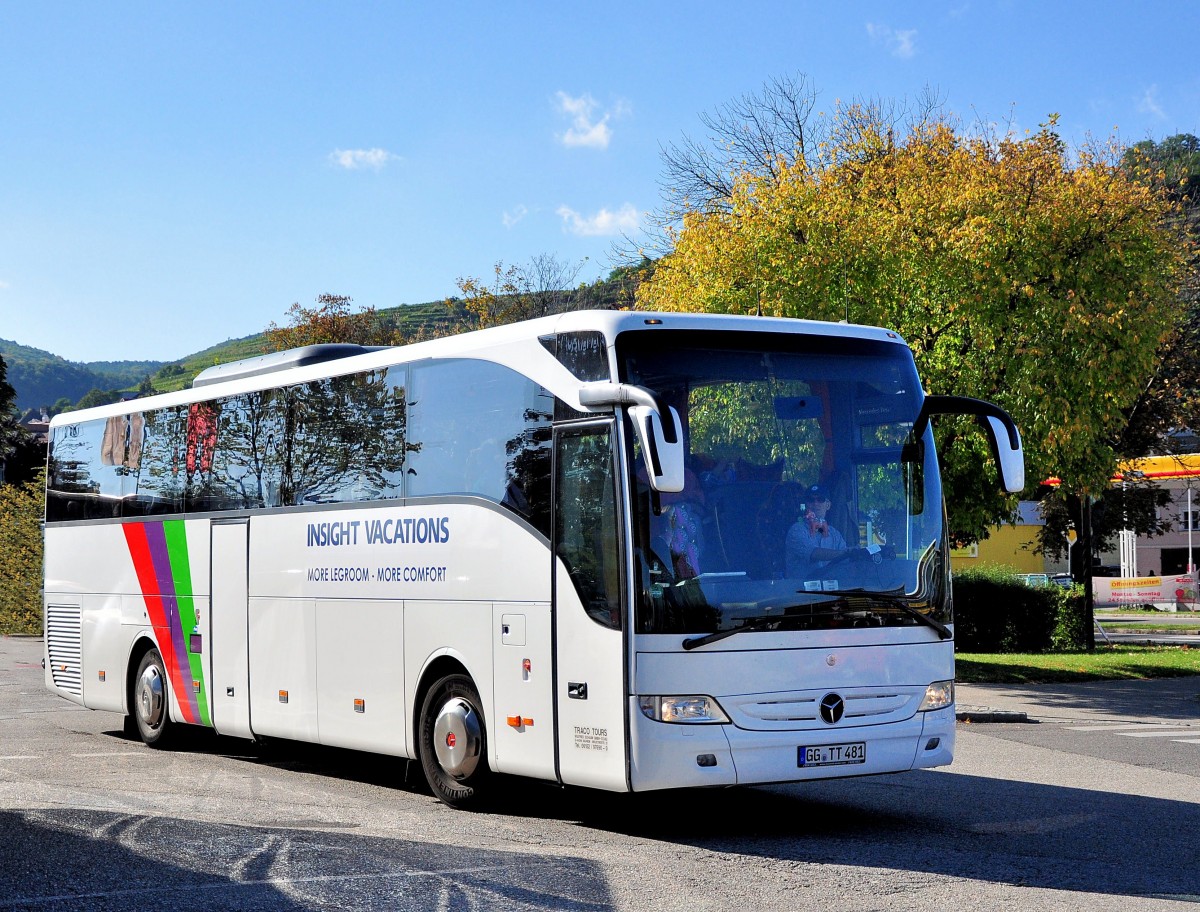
[1016,270]
[543,286]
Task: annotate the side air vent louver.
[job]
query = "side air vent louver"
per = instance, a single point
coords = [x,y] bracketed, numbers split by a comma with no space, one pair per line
[64,646]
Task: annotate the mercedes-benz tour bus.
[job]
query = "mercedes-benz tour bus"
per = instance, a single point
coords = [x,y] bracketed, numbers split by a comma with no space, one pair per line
[569,549]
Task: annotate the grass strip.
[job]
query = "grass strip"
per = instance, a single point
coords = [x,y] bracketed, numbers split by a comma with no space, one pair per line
[1105,663]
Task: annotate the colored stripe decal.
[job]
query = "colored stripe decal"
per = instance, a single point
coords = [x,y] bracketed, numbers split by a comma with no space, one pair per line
[160,579]
[181,570]
[156,536]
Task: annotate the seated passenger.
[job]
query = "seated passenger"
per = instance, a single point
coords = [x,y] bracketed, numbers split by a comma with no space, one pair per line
[677,534]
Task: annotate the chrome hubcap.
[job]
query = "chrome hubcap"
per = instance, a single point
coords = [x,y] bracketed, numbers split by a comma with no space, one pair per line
[457,738]
[150,697]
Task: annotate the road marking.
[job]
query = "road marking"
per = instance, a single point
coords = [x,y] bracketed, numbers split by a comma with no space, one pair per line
[18,757]
[114,754]
[1155,734]
[1113,726]
[1188,740]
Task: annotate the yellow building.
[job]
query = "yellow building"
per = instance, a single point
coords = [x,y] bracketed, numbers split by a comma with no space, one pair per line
[1012,545]
[1009,545]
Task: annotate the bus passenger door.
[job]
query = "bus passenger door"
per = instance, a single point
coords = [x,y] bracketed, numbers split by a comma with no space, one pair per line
[227,647]
[590,688]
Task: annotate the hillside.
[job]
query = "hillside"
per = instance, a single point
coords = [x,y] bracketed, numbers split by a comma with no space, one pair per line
[42,378]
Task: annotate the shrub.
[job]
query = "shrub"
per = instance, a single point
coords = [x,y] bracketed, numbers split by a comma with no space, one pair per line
[1071,628]
[996,612]
[21,557]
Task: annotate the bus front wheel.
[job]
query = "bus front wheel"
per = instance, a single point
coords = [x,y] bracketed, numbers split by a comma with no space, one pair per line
[453,746]
[151,701]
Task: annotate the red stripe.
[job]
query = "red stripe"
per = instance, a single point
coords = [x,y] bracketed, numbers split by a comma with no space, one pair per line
[139,550]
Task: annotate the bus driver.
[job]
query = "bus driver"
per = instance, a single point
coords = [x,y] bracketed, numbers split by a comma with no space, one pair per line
[813,541]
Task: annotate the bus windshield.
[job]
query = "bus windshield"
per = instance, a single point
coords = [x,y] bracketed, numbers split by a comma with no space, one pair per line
[807,503]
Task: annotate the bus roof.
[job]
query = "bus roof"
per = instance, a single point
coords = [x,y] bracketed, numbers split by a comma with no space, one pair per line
[516,343]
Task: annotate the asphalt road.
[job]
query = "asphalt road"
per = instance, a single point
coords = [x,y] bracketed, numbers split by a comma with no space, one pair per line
[1160,628]
[1031,816]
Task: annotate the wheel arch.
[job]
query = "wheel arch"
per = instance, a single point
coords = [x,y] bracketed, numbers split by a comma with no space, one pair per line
[142,643]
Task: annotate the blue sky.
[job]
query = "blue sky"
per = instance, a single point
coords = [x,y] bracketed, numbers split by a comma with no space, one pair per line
[176,174]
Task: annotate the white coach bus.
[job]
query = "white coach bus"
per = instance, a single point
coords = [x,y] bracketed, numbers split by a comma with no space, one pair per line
[572,549]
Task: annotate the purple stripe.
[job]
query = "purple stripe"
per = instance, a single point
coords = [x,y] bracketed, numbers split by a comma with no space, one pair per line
[156,538]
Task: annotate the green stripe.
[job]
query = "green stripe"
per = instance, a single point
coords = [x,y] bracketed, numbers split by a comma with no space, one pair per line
[181,571]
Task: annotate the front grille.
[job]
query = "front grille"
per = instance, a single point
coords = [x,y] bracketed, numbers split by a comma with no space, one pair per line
[801,710]
[64,647]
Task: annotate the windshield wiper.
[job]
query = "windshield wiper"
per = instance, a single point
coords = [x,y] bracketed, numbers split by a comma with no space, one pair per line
[761,623]
[842,599]
[893,601]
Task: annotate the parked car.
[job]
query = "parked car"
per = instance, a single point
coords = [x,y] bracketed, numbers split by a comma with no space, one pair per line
[1034,579]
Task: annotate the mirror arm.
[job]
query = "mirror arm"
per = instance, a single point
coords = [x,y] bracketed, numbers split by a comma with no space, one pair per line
[964,405]
[604,393]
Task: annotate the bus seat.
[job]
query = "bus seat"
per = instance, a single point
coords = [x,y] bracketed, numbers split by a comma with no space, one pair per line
[735,509]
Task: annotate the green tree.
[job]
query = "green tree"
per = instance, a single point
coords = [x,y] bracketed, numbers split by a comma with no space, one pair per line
[1015,271]
[20,453]
[96,397]
[21,511]
[1170,400]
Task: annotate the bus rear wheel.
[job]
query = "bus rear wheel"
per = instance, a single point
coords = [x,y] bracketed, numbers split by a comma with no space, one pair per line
[452,743]
[151,701]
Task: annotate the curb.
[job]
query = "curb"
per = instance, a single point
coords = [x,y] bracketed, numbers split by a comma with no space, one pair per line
[990,715]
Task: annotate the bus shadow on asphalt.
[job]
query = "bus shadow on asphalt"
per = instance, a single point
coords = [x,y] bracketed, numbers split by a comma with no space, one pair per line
[938,823]
[86,859]
[929,821]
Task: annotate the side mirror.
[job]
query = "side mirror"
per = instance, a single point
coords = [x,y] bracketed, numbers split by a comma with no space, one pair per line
[1010,456]
[1002,432]
[659,430]
[664,451]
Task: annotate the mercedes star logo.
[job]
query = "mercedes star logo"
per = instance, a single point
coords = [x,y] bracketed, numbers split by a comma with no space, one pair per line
[832,707]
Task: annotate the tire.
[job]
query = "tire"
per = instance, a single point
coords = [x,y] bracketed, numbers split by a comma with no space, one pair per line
[453,742]
[151,701]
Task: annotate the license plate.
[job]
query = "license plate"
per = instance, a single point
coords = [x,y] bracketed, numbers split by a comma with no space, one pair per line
[832,754]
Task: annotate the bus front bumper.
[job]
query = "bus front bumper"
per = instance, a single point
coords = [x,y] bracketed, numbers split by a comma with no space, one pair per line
[684,756]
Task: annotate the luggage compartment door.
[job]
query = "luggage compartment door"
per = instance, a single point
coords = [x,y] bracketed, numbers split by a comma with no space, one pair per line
[227,647]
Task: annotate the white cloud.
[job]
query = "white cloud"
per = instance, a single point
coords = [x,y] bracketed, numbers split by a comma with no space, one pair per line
[514,215]
[901,42]
[357,159]
[586,130]
[1149,103]
[4,286]
[603,223]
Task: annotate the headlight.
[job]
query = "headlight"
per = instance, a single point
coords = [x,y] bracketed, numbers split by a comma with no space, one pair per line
[693,709]
[938,695]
